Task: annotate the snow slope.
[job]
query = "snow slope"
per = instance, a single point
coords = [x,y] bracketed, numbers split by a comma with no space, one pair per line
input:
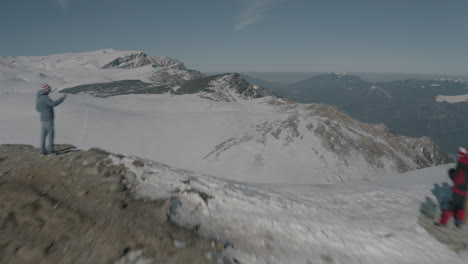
[261,140]
[26,73]
[354,222]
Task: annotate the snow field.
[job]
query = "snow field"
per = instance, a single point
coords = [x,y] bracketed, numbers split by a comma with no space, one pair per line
[354,222]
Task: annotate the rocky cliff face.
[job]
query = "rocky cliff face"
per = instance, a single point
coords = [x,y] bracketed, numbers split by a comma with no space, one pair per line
[232,87]
[166,62]
[343,135]
[139,59]
[130,61]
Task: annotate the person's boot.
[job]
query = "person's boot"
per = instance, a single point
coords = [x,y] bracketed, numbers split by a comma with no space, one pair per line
[460,215]
[445,217]
[43,152]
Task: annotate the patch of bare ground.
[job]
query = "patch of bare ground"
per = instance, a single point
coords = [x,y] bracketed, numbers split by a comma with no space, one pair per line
[76,208]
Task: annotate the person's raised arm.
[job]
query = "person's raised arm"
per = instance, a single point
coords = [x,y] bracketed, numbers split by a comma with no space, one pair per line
[52,103]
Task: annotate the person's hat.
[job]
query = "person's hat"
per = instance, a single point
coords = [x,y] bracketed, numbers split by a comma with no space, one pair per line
[462,152]
[45,86]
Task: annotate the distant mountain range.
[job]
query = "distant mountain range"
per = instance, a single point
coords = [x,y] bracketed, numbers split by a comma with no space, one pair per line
[409,107]
[287,78]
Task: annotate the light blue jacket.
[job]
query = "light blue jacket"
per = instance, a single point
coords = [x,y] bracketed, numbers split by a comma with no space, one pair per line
[45,105]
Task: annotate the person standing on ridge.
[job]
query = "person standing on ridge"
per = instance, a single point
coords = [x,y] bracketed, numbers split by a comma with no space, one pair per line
[45,106]
[459,188]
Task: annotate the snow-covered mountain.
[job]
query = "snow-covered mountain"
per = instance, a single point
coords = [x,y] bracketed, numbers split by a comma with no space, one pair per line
[26,73]
[219,125]
[228,87]
[139,59]
[109,73]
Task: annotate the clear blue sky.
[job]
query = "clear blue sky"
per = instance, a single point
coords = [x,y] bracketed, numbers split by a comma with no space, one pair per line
[416,36]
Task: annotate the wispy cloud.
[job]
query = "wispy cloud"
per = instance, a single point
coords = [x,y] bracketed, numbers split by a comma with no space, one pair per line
[63,3]
[253,13]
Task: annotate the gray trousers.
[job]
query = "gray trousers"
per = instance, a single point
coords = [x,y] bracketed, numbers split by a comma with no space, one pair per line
[47,130]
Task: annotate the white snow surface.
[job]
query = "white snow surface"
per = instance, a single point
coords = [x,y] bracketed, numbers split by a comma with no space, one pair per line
[354,222]
[342,74]
[27,73]
[134,257]
[453,99]
[246,140]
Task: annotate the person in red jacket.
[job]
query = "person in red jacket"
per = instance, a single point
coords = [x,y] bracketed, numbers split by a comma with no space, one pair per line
[459,188]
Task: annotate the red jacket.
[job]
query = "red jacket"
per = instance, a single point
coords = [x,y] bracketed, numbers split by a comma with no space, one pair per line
[460,182]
